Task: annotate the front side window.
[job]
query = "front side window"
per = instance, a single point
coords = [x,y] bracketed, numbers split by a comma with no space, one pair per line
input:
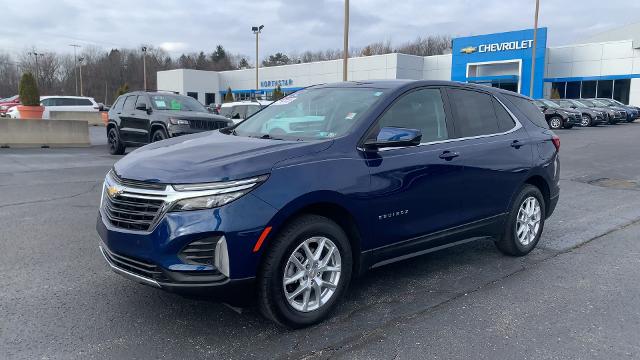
[311,114]
[130,103]
[176,103]
[474,113]
[420,110]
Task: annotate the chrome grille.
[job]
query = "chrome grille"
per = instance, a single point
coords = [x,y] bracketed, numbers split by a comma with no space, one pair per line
[207,124]
[132,205]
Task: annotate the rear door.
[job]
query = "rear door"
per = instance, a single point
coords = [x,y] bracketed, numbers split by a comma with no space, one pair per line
[415,190]
[129,123]
[497,153]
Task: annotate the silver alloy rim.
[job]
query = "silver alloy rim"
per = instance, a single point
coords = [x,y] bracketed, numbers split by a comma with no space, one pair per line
[312,274]
[528,221]
[555,123]
[585,120]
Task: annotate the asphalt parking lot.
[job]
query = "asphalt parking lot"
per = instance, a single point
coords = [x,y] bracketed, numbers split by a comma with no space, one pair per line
[575,296]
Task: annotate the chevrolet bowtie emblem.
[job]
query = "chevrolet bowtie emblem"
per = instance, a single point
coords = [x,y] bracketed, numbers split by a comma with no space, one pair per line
[469,50]
[114,191]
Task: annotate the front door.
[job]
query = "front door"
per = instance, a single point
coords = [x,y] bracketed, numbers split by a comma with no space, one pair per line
[131,129]
[415,190]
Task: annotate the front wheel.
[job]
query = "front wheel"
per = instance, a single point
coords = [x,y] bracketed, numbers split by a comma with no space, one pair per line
[159,135]
[116,146]
[555,123]
[305,272]
[586,121]
[524,224]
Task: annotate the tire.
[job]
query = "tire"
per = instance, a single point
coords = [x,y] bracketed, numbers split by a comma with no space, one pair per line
[510,242]
[273,294]
[116,147]
[159,135]
[568,126]
[555,123]
[586,121]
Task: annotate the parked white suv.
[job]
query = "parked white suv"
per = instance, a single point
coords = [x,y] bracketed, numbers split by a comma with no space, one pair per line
[240,110]
[68,103]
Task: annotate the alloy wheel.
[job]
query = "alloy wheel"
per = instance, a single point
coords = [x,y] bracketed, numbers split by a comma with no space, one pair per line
[113,140]
[528,220]
[312,274]
[586,121]
[555,123]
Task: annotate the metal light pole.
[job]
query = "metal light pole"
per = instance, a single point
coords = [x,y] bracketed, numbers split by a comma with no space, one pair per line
[533,50]
[144,66]
[80,60]
[257,30]
[35,54]
[75,64]
[345,55]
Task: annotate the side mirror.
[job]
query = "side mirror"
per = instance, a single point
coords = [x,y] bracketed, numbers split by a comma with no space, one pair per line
[142,106]
[394,137]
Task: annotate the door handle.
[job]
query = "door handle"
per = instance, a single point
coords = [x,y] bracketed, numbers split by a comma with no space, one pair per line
[449,155]
[517,144]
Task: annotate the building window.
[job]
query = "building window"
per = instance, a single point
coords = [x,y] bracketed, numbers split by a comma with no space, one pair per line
[621,90]
[588,89]
[605,89]
[573,90]
[193,94]
[557,90]
[209,98]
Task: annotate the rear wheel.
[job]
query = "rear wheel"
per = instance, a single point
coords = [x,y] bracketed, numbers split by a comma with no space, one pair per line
[555,123]
[159,135]
[116,147]
[305,272]
[524,224]
[586,121]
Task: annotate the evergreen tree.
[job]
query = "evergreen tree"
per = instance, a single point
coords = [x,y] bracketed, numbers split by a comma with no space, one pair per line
[244,64]
[228,97]
[29,93]
[277,93]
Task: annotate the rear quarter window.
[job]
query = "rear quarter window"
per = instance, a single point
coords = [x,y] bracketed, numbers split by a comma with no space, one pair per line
[84,102]
[529,109]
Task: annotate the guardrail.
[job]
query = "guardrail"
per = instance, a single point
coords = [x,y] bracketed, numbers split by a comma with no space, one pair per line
[43,133]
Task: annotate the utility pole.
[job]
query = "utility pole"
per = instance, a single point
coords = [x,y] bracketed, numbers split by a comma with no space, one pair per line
[533,50]
[144,66]
[345,55]
[257,30]
[75,64]
[36,54]
[80,60]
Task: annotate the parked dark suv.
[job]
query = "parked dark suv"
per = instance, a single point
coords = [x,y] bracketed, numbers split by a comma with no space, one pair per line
[590,116]
[557,117]
[138,118]
[633,112]
[356,175]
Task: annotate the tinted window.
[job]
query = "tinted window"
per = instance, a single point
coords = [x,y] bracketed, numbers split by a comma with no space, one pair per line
[529,110]
[505,121]
[129,103]
[422,110]
[46,102]
[66,102]
[118,105]
[83,102]
[141,100]
[474,113]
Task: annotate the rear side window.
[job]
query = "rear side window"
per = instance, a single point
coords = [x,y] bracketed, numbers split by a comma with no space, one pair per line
[422,110]
[531,111]
[83,102]
[505,121]
[129,103]
[474,112]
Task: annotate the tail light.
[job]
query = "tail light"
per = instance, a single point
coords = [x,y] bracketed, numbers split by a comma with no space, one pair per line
[556,142]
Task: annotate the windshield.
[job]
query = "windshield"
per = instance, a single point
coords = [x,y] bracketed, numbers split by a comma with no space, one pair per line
[602,103]
[549,103]
[587,103]
[176,102]
[311,114]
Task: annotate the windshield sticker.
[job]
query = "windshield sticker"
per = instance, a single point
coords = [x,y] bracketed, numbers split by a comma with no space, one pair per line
[175,105]
[161,103]
[377,93]
[350,116]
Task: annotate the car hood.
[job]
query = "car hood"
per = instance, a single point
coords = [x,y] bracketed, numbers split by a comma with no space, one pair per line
[210,157]
[193,115]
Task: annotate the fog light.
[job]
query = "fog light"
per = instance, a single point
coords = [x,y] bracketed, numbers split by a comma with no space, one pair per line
[222,257]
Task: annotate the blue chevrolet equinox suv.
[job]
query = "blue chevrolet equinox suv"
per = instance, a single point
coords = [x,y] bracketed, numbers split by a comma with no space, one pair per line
[291,204]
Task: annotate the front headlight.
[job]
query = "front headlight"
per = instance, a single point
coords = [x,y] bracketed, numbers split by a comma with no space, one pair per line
[175,121]
[212,195]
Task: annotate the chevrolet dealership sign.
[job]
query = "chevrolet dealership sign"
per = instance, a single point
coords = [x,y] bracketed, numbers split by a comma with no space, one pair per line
[496,47]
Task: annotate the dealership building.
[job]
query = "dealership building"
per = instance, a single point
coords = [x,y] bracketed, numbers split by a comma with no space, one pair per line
[605,65]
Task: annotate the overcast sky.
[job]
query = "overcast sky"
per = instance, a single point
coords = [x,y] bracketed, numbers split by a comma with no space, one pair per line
[290,26]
